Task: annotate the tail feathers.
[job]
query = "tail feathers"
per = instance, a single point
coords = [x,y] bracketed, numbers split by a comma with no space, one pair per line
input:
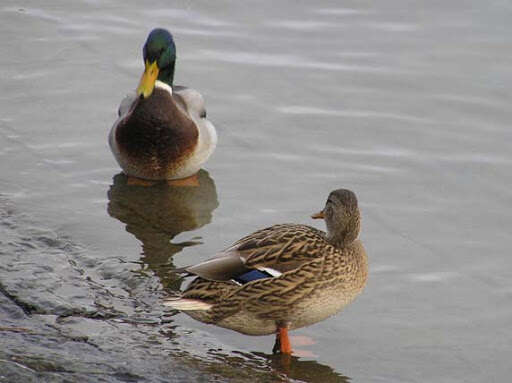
[184,304]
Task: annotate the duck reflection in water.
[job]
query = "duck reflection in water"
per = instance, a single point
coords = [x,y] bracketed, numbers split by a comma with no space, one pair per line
[282,367]
[309,371]
[156,214]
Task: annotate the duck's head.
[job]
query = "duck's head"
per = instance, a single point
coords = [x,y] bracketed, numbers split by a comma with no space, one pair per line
[159,54]
[342,217]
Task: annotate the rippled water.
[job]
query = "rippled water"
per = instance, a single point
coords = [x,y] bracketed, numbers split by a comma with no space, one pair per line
[404,103]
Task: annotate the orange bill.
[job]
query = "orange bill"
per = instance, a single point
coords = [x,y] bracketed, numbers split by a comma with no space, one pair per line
[318,215]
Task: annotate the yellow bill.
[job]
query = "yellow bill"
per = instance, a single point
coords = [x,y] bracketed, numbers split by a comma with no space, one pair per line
[147,82]
[318,215]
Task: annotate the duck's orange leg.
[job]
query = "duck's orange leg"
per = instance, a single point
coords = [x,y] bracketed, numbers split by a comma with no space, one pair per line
[286,347]
[282,343]
[189,181]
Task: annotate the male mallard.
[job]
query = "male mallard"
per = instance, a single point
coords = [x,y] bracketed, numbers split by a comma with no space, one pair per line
[162,132]
[281,277]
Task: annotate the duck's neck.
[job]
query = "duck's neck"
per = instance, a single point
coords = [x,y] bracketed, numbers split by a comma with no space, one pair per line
[345,236]
[166,74]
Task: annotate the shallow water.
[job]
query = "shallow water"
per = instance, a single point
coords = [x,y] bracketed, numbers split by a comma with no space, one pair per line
[406,104]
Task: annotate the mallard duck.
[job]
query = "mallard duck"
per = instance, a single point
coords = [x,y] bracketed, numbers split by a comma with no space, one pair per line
[282,277]
[162,132]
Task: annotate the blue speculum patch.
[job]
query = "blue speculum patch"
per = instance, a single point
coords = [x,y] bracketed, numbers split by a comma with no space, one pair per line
[252,276]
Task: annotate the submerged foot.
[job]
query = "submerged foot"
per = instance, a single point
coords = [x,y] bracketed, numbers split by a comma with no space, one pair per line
[139,181]
[189,181]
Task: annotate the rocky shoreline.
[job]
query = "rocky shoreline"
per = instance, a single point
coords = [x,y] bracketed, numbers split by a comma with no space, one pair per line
[58,324]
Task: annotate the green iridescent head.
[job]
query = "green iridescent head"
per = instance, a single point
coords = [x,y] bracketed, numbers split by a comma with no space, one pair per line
[159,54]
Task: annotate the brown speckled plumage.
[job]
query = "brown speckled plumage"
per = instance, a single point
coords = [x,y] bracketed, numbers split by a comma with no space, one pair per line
[321,273]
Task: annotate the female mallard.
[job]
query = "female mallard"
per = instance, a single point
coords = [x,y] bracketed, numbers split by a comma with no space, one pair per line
[162,132]
[282,277]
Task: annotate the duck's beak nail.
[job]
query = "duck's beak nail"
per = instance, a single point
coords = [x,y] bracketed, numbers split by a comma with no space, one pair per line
[318,215]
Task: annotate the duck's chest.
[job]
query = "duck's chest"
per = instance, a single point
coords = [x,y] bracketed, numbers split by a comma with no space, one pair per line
[337,284]
[326,300]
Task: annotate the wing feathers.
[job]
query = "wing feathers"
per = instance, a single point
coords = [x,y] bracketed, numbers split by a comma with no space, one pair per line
[222,268]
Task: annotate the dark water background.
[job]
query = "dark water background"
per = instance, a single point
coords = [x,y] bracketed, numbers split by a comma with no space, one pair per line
[406,103]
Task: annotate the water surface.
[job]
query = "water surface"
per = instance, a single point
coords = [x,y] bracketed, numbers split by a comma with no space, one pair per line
[404,103]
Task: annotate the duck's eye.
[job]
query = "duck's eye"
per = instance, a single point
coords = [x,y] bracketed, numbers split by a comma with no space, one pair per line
[329,211]
[203,113]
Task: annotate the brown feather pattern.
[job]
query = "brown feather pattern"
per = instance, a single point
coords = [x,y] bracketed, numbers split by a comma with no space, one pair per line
[311,268]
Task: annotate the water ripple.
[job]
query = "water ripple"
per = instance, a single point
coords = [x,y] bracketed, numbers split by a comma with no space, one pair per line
[33,12]
[393,27]
[288,61]
[301,25]
[296,109]
[436,276]
[341,11]
[190,17]
[372,152]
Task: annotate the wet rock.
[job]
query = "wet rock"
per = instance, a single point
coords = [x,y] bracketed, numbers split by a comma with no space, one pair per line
[37,271]
[57,324]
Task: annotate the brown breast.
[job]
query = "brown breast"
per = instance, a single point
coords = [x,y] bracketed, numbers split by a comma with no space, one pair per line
[156,135]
